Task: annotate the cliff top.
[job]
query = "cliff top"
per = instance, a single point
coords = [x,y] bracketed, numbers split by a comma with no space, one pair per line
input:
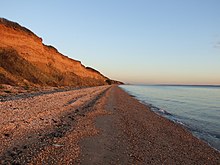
[16,26]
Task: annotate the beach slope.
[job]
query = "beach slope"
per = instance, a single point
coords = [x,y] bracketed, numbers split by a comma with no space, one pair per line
[98,125]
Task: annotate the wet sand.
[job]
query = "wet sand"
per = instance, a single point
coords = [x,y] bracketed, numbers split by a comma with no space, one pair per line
[99,125]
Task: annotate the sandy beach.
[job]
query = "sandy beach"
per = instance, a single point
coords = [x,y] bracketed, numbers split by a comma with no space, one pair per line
[97,125]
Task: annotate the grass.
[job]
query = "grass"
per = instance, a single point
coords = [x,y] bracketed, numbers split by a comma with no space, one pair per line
[16,65]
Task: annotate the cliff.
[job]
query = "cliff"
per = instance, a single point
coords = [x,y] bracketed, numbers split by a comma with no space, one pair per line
[25,60]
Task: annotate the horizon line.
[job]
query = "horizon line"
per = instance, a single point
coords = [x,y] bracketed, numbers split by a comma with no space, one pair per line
[156,84]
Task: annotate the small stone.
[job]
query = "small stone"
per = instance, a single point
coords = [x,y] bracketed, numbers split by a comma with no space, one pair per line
[58,145]
[6,134]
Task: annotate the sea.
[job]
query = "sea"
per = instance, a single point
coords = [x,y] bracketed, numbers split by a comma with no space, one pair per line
[197,108]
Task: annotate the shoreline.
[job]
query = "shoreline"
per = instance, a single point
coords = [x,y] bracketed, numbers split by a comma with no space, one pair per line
[176,122]
[175,119]
[95,125]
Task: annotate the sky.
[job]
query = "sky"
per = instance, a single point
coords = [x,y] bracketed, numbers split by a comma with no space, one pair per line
[134,41]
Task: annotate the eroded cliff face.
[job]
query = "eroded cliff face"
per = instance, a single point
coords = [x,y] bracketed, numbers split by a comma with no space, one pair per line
[24,59]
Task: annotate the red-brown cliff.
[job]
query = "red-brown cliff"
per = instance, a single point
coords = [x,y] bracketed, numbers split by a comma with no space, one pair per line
[25,60]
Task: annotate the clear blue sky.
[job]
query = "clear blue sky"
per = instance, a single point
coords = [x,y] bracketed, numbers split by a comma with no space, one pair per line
[136,41]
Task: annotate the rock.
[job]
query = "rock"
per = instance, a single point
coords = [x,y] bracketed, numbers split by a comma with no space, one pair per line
[58,145]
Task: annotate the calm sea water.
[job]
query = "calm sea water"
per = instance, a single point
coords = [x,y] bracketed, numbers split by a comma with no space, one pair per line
[195,107]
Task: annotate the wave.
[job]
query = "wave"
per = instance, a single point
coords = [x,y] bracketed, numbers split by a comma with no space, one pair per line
[174,101]
[158,110]
[196,132]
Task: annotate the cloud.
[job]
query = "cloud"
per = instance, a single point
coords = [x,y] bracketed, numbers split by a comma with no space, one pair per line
[217,45]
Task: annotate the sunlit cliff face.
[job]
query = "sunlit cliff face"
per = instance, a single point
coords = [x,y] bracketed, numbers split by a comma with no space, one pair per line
[25,59]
